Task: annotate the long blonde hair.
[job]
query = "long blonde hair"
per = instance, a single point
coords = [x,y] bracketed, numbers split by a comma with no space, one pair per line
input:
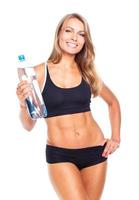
[84,59]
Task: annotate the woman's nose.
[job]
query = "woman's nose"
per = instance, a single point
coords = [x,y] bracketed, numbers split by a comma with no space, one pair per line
[74,37]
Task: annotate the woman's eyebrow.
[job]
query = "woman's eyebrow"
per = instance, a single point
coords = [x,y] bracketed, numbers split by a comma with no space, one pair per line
[73,28]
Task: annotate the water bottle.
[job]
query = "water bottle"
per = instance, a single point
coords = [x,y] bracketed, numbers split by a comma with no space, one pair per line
[35,104]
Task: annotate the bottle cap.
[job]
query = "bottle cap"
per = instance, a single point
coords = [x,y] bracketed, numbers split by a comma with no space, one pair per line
[21,57]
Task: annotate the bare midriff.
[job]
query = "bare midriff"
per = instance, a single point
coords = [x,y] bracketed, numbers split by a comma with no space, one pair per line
[73,131]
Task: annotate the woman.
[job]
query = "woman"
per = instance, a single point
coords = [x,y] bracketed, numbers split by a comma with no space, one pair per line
[76,149]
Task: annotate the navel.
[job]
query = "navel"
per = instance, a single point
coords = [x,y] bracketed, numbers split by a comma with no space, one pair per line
[76,132]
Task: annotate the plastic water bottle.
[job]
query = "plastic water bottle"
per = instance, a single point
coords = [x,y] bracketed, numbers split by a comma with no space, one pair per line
[35,103]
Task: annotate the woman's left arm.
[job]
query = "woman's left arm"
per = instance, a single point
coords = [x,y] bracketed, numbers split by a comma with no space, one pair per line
[115,119]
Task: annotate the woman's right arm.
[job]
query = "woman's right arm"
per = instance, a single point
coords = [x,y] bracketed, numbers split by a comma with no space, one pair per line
[24,91]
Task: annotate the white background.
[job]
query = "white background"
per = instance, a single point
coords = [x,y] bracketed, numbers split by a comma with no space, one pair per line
[28,27]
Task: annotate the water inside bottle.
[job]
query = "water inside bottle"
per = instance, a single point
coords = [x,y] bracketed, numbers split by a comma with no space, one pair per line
[35,103]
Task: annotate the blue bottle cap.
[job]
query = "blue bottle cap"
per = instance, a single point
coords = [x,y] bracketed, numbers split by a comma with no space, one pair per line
[21,57]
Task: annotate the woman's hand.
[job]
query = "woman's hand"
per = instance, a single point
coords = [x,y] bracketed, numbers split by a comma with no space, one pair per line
[111,146]
[23,91]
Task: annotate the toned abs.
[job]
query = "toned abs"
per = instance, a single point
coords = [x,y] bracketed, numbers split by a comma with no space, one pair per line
[74,131]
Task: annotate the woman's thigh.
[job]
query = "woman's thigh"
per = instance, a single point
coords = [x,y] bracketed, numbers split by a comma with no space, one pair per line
[67,182]
[94,178]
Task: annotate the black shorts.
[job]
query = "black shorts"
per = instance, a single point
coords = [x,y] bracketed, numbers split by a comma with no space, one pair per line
[82,157]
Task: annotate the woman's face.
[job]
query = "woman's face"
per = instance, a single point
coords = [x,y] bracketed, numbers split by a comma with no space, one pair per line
[72,36]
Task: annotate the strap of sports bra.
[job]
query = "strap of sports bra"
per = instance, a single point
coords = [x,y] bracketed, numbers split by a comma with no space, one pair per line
[45,74]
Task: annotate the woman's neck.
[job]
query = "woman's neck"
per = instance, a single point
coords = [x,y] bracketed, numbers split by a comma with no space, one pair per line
[68,61]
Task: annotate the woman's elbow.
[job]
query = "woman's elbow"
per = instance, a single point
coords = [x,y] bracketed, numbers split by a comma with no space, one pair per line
[115,105]
[116,102]
[28,126]
[29,129]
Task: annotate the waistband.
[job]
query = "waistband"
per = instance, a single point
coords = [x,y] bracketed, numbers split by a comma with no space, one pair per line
[98,147]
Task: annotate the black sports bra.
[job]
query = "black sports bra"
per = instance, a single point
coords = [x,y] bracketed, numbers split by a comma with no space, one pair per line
[62,101]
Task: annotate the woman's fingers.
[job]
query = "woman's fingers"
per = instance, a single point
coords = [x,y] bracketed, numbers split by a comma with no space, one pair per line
[110,147]
[23,91]
[104,141]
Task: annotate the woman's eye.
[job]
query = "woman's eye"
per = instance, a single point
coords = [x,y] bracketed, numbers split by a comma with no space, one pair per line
[82,34]
[67,30]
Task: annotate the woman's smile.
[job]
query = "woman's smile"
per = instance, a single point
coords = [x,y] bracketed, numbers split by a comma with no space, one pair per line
[72,45]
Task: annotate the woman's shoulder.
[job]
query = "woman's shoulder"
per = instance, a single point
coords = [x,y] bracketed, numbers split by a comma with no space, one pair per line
[52,65]
[38,68]
[40,72]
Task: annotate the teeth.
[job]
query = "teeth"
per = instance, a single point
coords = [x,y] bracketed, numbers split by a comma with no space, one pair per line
[71,45]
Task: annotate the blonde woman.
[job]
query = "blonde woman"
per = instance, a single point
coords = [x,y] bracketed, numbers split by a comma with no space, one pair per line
[76,148]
